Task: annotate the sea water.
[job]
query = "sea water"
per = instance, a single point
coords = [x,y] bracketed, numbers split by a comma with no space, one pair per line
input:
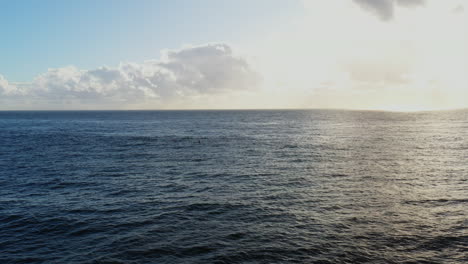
[302,186]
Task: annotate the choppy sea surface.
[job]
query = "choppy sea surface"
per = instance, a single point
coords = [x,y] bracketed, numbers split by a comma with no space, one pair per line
[311,186]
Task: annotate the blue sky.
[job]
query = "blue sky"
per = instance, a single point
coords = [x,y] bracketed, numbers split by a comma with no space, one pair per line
[38,35]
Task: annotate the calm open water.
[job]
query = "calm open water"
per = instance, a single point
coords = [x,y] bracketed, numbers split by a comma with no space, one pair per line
[233,187]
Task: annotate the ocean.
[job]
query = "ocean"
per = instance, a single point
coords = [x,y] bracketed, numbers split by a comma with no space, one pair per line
[264,186]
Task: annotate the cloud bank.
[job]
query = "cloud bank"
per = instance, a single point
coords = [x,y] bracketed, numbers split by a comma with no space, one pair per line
[384,9]
[207,70]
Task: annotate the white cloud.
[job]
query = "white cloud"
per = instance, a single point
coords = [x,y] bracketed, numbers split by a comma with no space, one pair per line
[6,88]
[195,71]
[3,84]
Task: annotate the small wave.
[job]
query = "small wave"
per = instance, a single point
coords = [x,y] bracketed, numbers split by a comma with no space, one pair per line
[437,202]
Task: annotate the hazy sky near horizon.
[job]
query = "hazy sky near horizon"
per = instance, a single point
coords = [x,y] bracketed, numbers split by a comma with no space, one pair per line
[116,54]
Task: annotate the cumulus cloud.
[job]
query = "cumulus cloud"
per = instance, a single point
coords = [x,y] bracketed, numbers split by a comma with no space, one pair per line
[193,71]
[3,84]
[384,9]
[6,88]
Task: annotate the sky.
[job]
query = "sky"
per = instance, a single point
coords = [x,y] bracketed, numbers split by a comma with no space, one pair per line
[399,55]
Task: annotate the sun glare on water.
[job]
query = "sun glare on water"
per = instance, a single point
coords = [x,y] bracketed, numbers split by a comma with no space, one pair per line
[409,108]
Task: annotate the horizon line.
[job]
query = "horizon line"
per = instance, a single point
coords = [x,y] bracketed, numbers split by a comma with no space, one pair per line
[236,109]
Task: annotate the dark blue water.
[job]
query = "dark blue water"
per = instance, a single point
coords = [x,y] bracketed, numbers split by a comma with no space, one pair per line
[233,187]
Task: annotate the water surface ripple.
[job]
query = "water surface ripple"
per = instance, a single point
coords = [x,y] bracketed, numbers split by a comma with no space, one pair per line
[233,187]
